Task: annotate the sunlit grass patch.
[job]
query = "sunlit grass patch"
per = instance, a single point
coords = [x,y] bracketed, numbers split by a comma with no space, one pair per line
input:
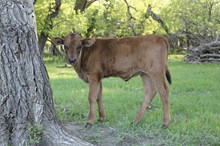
[194,103]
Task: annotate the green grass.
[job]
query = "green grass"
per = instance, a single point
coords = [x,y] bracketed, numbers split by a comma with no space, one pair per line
[194,102]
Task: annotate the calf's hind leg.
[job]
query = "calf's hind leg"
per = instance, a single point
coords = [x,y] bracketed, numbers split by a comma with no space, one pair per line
[164,95]
[149,93]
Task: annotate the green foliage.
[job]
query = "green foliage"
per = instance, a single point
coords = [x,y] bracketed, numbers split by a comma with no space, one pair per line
[194,103]
[194,15]
[103,18]
[190,23]
[35,132]
[110,18]
[41,11]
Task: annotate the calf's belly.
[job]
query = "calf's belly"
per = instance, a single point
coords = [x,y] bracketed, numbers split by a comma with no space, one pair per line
[125,75]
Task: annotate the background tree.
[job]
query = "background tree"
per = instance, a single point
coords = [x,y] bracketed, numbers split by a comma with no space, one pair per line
[196,28]
[186,23]
[53,10]
[27,115]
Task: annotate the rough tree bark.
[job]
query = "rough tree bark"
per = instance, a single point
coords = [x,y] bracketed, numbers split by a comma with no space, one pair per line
[25,92]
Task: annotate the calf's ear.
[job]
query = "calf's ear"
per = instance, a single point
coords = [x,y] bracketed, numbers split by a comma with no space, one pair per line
[88,42]
[57,40]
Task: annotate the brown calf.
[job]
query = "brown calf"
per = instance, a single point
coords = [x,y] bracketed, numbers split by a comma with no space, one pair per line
[94,59]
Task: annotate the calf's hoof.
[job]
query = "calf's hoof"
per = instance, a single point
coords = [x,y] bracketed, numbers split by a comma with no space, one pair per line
[101,120]
[88,125]
[134,123]
[164,126]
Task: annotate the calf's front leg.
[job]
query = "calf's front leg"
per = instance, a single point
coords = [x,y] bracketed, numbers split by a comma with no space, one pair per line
[100,104]
[94,87]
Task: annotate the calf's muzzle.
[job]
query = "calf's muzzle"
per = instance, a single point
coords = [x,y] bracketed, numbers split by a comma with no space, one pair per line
[72,60]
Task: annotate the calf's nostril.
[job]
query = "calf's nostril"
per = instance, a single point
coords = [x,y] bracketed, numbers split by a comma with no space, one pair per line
[72,60]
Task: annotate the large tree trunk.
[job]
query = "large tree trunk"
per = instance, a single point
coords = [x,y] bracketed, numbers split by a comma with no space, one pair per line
[25,93]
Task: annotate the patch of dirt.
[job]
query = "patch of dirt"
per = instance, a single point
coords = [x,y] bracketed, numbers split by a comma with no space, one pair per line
[102,135]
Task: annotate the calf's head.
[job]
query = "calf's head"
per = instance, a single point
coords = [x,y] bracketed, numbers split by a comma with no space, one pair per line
[73,44]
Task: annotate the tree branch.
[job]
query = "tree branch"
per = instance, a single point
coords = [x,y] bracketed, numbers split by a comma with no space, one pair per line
[157,18]
[82,5]
[89,3]
[129,7]
[204,53]
[130,17]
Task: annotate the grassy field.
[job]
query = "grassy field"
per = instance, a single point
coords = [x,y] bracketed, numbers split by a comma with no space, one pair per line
[194,103]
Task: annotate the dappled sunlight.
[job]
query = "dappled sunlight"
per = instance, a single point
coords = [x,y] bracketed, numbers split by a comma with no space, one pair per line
[176,57]
[62,75]
[57,72]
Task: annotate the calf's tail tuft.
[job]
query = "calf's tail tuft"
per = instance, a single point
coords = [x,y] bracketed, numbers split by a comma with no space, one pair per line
[168,75]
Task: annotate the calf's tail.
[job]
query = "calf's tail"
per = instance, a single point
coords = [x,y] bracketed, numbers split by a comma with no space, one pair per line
[168,75]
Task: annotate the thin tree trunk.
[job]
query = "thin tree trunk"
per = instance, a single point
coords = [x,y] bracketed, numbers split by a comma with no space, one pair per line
[25,93]
[82,5]
[53,12]
[42,39]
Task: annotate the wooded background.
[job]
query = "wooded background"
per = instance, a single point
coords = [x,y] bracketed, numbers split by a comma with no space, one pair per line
[187,24]
[27,114]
